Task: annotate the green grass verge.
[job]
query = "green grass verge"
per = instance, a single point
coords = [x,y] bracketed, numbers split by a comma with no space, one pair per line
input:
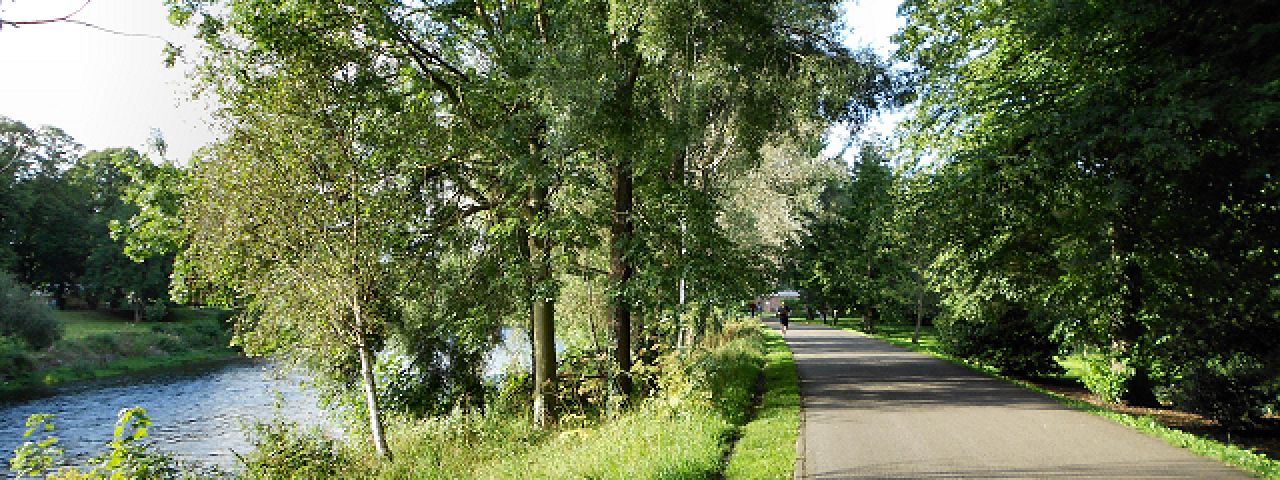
[653,441]
[684,431]
[767,446]
[98,345]
[77,324]
[1255,463]
[60,375]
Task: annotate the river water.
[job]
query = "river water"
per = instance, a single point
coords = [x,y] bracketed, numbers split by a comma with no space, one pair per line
[198,413]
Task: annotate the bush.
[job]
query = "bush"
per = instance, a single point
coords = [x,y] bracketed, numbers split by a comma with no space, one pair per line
[129,455]
[1004,336]
[283,450]
[15,360]
[155,311]
[1236,392]
[1107,378]
[24,317]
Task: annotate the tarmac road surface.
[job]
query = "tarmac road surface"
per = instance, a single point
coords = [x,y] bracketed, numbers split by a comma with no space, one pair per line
[873,410]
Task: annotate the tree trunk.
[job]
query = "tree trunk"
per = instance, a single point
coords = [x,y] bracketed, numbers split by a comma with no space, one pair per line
[371,399]
[1130,329]
[915,337]
[543,313]
[620,269]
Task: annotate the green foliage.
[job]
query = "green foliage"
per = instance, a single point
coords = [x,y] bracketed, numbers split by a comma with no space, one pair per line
[1089,158]
[34,457]
[155,311]
[849,256]
[128,455]
[97,345]
[15,358]
[1106,377]
[683,431]
[1236,391]
[1004,336]
[284,450]
[25,318]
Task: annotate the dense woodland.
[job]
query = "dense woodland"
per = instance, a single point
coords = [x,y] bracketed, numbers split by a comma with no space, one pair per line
[398,181]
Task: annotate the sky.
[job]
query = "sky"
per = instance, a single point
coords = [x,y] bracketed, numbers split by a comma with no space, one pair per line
[104,90]
[108,90]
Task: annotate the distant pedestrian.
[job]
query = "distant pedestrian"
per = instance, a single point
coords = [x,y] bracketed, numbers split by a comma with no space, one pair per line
[784,317]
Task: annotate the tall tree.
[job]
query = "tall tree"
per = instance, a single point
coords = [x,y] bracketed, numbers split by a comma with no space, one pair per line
[1138,136]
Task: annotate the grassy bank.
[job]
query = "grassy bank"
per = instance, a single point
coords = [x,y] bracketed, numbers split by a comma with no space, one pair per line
[98,345]
[767,447]
[900,335]
[686,429]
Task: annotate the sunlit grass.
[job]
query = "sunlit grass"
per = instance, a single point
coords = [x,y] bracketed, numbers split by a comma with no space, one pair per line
[78,324]
[767,447]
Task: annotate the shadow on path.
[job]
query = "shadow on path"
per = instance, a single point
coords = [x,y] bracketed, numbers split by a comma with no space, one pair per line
[874,410]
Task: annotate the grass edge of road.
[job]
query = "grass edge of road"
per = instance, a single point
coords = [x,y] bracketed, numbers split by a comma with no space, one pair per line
[1248,460]
[767,447]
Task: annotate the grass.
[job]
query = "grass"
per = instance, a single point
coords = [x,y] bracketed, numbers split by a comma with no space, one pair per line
[98,345]
[767,447]
[1255,463]
[685,430]
[77,324]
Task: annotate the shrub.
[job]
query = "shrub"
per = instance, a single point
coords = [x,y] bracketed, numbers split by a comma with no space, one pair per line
[1107,378]
[1236,391]
[1004,336]
[155,311]
[283,450]
[24,317]
[15,360]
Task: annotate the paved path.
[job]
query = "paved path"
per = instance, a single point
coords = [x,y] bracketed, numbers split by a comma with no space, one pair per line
[873,410]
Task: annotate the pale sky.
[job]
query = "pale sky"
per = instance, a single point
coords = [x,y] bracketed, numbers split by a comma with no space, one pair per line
[105,90]
[110,90]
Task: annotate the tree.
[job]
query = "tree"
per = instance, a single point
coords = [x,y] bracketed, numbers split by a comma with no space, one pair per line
[306,210]
[108,177]
[1128,143]
[46,222]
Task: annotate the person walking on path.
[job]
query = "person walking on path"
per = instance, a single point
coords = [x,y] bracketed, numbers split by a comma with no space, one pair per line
[784,317]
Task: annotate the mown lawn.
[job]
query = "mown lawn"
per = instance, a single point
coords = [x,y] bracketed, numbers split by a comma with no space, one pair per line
[79,324]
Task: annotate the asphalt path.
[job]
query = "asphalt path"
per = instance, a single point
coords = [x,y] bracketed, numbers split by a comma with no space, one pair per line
[874,410]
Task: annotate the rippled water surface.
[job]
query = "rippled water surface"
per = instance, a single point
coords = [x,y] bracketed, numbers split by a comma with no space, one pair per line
[198,413]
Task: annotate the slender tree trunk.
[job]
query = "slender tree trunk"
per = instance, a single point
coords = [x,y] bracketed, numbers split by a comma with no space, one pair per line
[543,318]
[620,268]
[869,309]
[915,337]
[371,399]
[1139,387]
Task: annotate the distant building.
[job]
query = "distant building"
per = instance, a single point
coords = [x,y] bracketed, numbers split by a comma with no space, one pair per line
[771,302]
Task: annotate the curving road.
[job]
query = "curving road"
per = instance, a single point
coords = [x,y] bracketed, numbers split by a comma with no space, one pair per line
[873,410]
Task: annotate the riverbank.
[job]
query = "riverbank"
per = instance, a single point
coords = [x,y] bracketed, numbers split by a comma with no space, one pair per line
[1257,451]
[97,345]
[699,414]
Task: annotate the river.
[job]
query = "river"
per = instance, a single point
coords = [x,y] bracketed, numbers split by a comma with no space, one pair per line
[199,413]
